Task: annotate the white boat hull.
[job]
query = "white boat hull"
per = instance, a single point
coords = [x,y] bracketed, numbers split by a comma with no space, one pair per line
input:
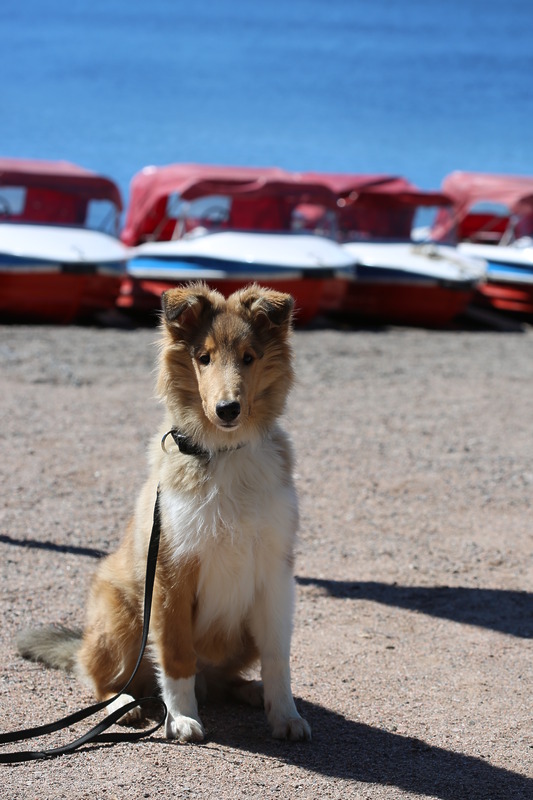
[58,274]
[43,247]
[425,284]
[314,269]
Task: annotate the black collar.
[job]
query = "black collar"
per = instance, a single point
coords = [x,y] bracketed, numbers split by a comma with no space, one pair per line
[189,448]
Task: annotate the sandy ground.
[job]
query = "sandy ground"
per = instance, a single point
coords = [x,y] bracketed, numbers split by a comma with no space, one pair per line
[412,654]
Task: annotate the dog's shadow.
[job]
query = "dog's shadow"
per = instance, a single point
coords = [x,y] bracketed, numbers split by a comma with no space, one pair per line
[348,750]
[352,751]
[500,610]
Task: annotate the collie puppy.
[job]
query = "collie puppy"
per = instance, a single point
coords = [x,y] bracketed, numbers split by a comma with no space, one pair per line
[223,592]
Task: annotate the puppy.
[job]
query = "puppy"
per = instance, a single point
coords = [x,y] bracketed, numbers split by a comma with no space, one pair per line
[223,592]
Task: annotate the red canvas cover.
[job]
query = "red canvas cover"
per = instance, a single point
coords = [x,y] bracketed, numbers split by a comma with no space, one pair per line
[263,197]
[56,192]
[58,176]
[387,189]
[376,206]
[469,188]
[346,183]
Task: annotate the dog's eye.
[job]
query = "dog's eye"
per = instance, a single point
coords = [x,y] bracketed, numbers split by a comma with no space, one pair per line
[204,359]
[247,359]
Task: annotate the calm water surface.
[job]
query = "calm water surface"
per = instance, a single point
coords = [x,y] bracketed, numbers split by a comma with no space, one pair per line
[417,88]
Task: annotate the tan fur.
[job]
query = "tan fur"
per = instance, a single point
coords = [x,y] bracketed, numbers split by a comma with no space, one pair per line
[222,594]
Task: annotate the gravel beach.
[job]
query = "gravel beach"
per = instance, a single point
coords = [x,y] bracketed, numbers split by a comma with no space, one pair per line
[412,655]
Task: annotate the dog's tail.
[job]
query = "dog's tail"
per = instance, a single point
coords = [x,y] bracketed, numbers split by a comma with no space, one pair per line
[54,645]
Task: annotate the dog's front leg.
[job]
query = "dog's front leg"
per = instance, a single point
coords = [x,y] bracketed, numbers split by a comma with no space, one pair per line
[182,722]
[271,625]
[173,639]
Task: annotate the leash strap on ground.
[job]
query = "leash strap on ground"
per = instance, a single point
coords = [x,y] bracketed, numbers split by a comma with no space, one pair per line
[96,733]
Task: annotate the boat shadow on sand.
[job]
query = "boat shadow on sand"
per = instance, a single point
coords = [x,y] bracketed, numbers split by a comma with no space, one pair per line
[505,611]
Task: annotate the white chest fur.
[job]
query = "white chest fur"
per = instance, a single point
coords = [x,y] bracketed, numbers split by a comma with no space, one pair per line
[240,524]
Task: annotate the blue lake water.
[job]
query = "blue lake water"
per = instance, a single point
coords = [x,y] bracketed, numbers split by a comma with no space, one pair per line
[417,88]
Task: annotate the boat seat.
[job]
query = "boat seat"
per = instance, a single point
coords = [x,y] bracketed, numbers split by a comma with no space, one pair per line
[482,228]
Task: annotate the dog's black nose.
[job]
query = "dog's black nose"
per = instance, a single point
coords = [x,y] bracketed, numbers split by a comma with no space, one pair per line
[228,410]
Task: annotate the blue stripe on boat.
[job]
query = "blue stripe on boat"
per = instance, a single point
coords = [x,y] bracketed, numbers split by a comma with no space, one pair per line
[145,267]
[11,263]
[517,271]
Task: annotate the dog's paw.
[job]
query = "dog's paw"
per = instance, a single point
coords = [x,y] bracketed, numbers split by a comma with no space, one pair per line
[296,729]
[184,729]
[131,717]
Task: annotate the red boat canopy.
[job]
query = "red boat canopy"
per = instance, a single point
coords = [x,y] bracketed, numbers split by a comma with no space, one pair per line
[387,189]
[471,189]
[376,206]
[265,198]
[262,198]
[56,191]
[342,184]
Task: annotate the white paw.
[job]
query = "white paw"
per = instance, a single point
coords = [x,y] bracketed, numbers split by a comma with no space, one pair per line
[184,729]
[296,729]
[135,715]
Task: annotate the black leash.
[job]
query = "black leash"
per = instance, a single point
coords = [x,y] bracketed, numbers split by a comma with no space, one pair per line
[96,733]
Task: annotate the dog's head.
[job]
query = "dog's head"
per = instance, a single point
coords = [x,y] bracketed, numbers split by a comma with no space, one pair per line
[226,366]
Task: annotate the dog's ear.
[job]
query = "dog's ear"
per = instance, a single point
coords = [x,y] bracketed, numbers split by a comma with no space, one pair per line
[184,308]
[274,308]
